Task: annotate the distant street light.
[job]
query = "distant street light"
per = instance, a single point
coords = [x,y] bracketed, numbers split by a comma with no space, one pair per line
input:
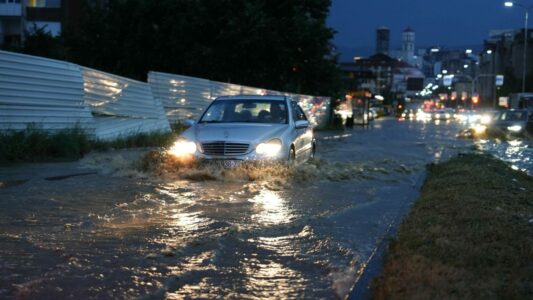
[526,9]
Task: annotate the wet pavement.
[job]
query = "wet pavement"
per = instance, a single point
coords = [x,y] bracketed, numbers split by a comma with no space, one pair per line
[100,228]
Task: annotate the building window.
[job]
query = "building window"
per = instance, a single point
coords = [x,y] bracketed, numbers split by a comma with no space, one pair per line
[44,3]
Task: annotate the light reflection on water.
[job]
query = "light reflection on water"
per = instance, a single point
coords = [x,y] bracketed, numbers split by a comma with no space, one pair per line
[272,209]
[517,152]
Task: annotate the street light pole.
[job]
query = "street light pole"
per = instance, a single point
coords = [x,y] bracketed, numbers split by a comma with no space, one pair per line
[525,52]
[524,61]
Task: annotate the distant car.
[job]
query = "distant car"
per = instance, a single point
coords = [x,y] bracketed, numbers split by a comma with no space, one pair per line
[234,129]
[409,114]
[513,122]
[442,114]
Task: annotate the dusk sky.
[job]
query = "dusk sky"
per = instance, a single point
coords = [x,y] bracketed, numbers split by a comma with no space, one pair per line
[436,22]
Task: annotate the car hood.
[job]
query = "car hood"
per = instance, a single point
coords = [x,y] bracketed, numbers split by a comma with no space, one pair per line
[235,132]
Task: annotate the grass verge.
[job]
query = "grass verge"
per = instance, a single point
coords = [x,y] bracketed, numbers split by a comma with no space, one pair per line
[468,236]
[37,145]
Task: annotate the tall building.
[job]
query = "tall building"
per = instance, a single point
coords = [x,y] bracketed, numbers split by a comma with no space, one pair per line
[20,16]
[408,45]
[382,40]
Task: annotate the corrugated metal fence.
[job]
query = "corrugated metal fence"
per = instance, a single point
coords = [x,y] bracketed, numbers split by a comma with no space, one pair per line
[122,106]
[55,95]
[44,92]
[186,97]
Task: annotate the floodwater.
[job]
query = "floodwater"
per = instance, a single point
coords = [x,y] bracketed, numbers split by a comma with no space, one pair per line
[517,152]
[100,228]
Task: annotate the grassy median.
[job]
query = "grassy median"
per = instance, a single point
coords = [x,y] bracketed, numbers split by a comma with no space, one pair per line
[468,236]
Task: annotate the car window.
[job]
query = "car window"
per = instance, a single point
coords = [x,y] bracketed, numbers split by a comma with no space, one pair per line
[512,116]
[297,112]
[246,111]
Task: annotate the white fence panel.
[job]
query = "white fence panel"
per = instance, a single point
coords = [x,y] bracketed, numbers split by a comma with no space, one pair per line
[45,92]
[109,127]
[186,97]
[122,106]
[113,95]
[224,89]
[183,97]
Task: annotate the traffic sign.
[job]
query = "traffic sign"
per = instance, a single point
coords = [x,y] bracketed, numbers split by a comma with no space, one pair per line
[447,80]
[499,80]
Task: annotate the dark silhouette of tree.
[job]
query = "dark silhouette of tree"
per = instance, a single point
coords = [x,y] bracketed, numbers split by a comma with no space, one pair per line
[276,44]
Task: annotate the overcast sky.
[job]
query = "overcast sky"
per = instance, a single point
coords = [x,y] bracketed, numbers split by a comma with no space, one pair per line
[436,22]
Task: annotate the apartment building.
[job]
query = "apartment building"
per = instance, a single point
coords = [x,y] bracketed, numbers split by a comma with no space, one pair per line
[20,17]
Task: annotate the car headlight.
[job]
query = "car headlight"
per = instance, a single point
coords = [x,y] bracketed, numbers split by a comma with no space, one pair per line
[485,119]
[447,116]
[514,128]
[182,147]
[270,148]
[479,129]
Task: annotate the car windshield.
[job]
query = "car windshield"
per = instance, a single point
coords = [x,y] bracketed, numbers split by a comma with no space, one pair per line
[247,111]
[512,116]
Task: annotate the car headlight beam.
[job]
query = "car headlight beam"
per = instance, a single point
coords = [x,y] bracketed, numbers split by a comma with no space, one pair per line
[270,148]
[182,147]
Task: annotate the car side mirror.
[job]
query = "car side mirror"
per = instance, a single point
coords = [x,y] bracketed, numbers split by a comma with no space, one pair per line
[189,122]
[301,124]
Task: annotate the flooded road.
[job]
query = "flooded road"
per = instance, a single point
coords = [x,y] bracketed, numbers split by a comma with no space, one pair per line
[112,231]
[518,152]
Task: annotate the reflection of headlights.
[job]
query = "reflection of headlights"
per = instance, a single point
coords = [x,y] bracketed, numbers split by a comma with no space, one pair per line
[515,128]
[269,148]
[473,119]
[485,119]
[479,129]
[182,147]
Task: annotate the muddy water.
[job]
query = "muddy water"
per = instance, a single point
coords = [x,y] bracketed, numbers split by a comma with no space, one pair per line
[113,231]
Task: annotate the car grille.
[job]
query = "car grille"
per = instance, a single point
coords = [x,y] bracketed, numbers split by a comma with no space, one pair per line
[224,148]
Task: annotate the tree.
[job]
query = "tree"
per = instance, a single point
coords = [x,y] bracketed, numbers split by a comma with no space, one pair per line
[275,44]
[40,42]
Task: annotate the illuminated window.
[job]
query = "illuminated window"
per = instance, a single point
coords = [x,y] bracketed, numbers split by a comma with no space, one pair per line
[44,3]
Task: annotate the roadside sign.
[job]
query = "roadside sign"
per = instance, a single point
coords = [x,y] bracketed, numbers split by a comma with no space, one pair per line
[504,101]
[499,80]
[447,80]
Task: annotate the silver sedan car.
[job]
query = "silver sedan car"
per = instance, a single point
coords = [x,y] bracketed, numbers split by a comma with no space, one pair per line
[249,128]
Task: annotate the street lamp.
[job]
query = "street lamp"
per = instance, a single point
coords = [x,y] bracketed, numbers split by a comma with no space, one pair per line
[526,9]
